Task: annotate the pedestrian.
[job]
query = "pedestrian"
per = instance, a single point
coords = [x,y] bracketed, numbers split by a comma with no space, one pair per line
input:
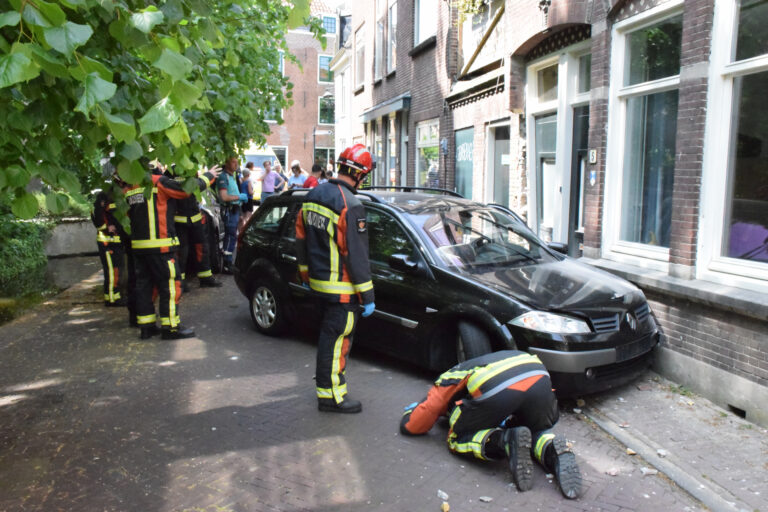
[298,178]
[154,244]
[246,187]
[271,182]
[279,170]
[314,178]
[332,253]
[230,199]
[500,405]
[110,243]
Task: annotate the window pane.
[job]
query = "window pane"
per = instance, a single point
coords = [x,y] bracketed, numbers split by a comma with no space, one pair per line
[426,14]
[392,46]
[546,169]
[746,233]
[752,39]
[329,24]
[464,161]
[378,54]
[426,167]
[585,73]
[326,111]
[649,163]
[324,73]
[547,83]
[386,237]
[654,52]
[359,58]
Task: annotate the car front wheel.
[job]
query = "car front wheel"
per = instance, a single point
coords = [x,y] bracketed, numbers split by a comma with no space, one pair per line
[267,310]
[471,341]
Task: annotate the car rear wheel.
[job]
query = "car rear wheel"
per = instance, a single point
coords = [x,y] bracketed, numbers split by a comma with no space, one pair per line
[471,341]
[267,311]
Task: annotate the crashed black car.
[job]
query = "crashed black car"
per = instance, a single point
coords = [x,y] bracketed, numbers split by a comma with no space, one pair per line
[455,279]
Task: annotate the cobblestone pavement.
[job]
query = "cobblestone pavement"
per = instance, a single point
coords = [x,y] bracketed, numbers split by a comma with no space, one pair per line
[93,419]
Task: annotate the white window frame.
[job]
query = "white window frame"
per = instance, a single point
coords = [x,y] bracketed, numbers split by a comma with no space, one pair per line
[379,39]
[710,264]
[391,36]
[319,99]
[419,38]
[359,67]
[335,24]
[287,160]
[568,98]
[643,255]
[330,58]
[432,143]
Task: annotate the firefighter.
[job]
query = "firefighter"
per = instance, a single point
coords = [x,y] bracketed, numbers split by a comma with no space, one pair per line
[109,238]
[332,250]
[191,233]
[500,405]
[154,244]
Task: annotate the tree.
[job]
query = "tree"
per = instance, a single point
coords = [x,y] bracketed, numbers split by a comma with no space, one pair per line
[181,81]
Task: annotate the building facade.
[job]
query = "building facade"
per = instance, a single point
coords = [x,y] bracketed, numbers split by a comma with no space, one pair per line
[629,130]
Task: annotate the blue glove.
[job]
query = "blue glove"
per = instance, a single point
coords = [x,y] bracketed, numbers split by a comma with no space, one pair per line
[243,198]
[410,407]
[368,309]
[305,285]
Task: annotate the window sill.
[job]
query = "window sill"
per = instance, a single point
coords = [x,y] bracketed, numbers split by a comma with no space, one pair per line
[377,82]
[423,46]
[359,89]
[728,298]
[390,74]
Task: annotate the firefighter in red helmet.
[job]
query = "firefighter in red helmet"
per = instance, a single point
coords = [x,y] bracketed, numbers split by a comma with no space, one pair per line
[332,249]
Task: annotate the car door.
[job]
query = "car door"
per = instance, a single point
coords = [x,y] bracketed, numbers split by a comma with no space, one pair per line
[396,324]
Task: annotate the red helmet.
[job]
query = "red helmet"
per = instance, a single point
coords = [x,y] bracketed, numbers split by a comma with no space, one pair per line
[358,159]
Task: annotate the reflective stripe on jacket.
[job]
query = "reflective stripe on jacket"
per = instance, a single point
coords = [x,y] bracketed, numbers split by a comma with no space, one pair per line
[103,218]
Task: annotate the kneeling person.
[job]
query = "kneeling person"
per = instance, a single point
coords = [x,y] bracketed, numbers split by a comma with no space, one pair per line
[500,405]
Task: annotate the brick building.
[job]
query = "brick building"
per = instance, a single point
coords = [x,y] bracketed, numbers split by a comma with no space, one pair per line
[629,130]
[307,131]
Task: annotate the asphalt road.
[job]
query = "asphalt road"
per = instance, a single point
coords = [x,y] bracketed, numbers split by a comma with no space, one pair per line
[93,419]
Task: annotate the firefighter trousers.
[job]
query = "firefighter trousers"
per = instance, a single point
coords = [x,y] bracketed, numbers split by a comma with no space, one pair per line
[113,262]
[333,346]
[158,271]
[473,421]
[192,240]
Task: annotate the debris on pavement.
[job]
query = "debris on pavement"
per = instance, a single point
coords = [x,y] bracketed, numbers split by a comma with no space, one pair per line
[580,402]
[621,399]
[630,451]
[624,424]
[648,471]
[577,410]
[612,472]
[442,495]
[662,452]
[445,507]
[485,499]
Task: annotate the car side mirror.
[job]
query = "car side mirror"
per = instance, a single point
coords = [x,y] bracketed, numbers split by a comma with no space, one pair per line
[558,247]
[403,263]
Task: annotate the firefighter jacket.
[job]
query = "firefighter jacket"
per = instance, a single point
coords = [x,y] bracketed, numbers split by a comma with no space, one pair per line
[471,383]
[108,229]
[187,209]
[332,244]
[152,215]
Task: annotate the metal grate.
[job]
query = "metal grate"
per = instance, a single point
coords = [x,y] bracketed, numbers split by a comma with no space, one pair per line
[606,323]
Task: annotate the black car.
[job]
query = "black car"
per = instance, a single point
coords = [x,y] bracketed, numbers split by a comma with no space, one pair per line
[455,279]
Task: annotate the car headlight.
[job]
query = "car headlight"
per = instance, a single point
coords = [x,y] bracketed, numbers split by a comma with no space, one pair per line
[552,323]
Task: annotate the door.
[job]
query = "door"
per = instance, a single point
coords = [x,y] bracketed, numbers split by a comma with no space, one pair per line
[501,161]
[548,184]
[578,185]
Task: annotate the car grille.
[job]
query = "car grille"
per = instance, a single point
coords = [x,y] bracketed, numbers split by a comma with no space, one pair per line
[642,312]
[634,349]
[606,323]
[623,369]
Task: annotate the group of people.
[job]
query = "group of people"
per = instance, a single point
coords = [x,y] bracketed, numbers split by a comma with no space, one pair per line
[499,406]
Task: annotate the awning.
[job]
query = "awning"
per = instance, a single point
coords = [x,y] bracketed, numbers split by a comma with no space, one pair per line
[402,102]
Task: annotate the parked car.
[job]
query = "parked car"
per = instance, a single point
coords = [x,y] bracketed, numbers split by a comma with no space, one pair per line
[455,279]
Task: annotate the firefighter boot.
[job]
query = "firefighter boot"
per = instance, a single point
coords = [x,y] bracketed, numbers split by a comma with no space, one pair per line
[517,445]
[558,459]
[178,333]
[147,331]
[210,282]
[347,405]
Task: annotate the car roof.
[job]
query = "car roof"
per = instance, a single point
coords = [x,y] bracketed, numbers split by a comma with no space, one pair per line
[416,202]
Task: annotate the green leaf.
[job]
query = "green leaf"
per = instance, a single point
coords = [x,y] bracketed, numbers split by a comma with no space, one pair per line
[130,172]
[50,63]
[56,202]
[15,68]
[184,94]
[43,14]
[200,7]
[68,181]
[173,11]
[95,90]
[147,19]
[174,64]
[9,19]
[86,66]
[48,173]
[162,115]
[16,176]
[132,151]
[178,134]
[67,37]
[73,4]
[122,127]
[25,206]
[171,43]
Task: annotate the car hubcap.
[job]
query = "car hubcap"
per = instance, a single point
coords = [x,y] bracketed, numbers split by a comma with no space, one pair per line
[264,307]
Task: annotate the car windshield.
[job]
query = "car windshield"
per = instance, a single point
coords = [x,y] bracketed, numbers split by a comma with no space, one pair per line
[467,237]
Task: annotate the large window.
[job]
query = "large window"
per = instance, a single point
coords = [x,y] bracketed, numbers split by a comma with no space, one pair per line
[323,156]
[426,20]
[392,36]
[378,44]
[329,24]
[359,57]
[465,148]
[427,154]
[645,79]
[326,110]
[324,73]
[734,227]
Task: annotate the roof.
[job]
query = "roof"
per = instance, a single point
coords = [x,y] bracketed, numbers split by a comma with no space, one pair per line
[318,8]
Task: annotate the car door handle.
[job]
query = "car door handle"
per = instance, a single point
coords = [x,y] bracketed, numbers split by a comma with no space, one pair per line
[288,257]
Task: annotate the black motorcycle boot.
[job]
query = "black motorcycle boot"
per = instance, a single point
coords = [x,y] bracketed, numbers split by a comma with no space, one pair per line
[147,331]
[347,405]
[210,282]
[559,460]
[178,333]
[517,445]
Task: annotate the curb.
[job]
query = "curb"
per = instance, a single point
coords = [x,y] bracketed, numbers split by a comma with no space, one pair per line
[711,495]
